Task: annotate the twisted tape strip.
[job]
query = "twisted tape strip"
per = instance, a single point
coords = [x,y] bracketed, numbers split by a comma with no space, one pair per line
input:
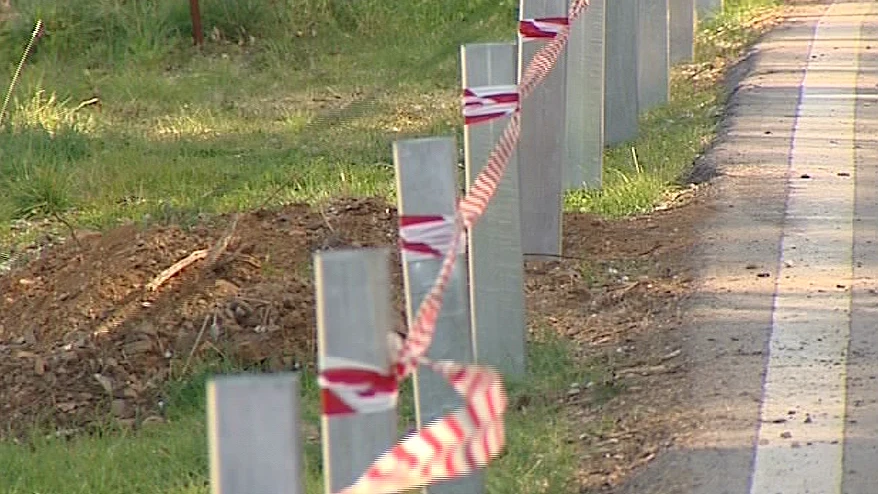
[486,103]
[448,448]
[536,29]
[426,237]
[468,438]
[349,387]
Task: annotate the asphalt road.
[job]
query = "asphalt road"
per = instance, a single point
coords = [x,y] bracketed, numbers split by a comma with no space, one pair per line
[782,335]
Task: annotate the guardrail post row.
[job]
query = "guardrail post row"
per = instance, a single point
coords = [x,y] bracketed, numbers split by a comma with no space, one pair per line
[584,161]
[253,434]
[354,316]
[620,99]
[496,270]
[541,150]
[681,31]
[708,8]
[427,184]
[652,55]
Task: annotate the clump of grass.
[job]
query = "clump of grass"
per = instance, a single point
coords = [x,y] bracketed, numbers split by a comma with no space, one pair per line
[38,146]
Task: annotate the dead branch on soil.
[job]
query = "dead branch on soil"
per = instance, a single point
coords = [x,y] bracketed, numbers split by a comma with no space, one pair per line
[178,266]
[211,255]
[648,370]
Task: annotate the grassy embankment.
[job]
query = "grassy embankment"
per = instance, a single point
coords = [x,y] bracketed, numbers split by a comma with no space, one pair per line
[294,104]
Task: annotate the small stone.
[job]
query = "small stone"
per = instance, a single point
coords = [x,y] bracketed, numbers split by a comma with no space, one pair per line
[119,408]
[105,383]
[763,275]
[786,435]
[127,423]
[153,420]
[140,346]
[805,176]
[39,366]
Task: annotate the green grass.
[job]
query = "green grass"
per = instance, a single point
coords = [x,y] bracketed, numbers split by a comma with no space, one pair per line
[172,458]
[265,113]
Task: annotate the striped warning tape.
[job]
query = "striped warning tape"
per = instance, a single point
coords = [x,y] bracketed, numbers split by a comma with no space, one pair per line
[537,29]
[470,437]
[427,237]
[482,104]
[349,387]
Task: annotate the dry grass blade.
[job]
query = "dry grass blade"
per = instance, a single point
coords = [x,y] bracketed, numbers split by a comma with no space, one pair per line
[195,345]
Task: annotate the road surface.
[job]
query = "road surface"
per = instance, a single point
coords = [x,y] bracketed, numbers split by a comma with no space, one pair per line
[783,331]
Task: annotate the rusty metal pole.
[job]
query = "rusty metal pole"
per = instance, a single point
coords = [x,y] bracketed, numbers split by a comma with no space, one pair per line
[197,33]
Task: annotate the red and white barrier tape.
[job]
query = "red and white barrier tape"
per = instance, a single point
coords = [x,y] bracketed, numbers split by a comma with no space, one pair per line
[427,237]
[486,103]
[349,387]
[541,29]
[469,438]
[459,443]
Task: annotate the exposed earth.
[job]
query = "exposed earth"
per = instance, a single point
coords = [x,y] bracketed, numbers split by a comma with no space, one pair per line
[81,336]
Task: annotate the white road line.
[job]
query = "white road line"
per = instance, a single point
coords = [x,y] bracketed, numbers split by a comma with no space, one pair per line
[800,441]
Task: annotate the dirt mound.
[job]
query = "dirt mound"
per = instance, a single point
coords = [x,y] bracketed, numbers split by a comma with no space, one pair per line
[82,338]
[81,335]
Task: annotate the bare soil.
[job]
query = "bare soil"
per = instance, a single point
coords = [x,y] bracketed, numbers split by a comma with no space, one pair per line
[83,339]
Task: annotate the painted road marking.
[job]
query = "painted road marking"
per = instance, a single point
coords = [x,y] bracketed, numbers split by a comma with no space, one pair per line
[801,434]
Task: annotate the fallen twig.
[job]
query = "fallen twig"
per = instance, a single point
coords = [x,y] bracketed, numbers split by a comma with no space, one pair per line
[88,102]
[180,265]
[648,370]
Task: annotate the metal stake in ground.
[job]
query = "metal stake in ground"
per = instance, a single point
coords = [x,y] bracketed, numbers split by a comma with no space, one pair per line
[708,8]
[426,174]
[681,30]
[620,100]
[197,31]
[652,55]
[584,162]
[496,270]
[354,316]
[541,149]
[254,437]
